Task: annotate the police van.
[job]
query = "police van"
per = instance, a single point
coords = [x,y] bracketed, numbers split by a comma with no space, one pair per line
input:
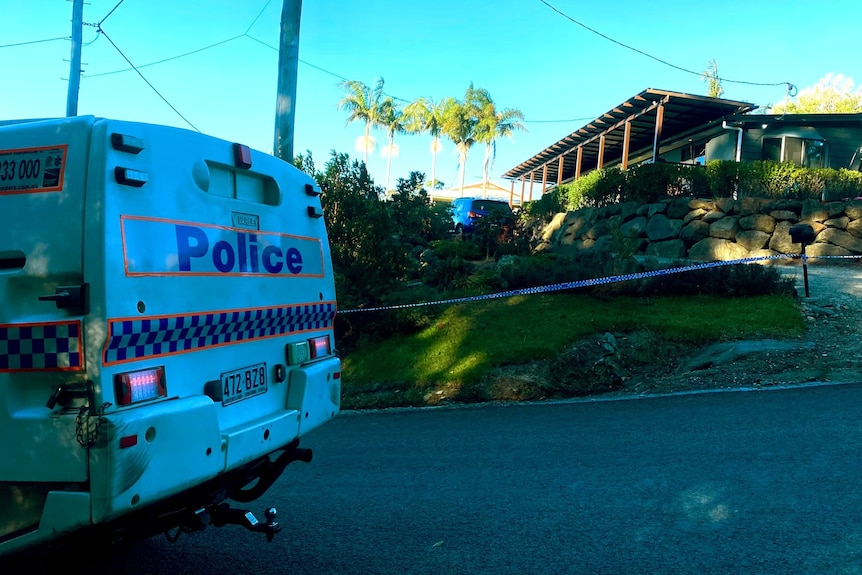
[166,329]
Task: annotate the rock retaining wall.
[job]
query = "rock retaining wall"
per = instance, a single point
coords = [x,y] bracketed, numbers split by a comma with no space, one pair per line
[705,229]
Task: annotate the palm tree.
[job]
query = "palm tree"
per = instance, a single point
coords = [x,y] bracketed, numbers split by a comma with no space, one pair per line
[713,82]
[392,118]
[364,104]
[460,119]
[424,115]
[494,124]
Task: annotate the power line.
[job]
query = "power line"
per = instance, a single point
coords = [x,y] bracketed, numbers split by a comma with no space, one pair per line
[36,41]
[167,59]
[657,59]
[111,12]
[253,22]
[145,79]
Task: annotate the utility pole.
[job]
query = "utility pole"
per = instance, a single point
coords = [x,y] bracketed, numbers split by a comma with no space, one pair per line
[288,60]
[75,66]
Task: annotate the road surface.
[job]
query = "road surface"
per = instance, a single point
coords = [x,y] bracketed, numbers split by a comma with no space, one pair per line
[755,482]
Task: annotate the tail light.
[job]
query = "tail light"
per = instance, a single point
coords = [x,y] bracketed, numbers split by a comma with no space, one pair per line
[319,346]
[142,385]
[301,351]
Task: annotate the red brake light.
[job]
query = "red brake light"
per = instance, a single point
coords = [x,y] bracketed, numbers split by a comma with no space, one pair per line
[241,156]
[319,346]
[142,385]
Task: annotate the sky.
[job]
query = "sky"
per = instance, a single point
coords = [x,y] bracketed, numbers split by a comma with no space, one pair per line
[524,52]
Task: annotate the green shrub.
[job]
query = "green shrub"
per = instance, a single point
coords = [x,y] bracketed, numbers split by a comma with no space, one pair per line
[552,202]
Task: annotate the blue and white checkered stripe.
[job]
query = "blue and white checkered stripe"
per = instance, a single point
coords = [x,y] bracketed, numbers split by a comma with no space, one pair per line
[54,346]
[140,338]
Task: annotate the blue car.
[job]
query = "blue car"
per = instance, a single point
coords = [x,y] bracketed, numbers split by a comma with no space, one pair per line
[467,211]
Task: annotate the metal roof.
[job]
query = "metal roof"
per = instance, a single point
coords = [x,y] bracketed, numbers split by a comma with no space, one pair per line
[682,113]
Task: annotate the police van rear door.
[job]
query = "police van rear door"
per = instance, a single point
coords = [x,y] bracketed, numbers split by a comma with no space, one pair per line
[43,299]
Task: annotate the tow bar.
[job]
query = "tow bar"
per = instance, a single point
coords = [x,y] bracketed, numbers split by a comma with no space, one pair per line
[223,514]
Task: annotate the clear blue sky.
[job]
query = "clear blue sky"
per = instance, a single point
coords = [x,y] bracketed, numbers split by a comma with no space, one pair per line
[526,55]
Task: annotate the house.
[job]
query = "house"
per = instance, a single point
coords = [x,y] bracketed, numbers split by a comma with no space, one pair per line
[658,125]
[478,190]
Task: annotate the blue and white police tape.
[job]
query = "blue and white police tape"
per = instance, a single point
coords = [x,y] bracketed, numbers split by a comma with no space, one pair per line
[596,281]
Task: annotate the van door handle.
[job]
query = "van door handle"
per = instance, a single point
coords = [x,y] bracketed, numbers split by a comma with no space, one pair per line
[75,299]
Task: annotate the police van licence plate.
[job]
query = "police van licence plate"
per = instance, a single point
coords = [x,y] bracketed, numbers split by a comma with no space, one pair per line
[243,383]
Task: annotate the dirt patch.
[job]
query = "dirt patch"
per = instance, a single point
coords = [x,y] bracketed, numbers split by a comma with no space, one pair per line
[829,351]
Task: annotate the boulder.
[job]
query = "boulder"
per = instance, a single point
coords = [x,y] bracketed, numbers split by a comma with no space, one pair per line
[853,210]
[678,208]
[840,223]
[794,206]
[552,228]
[855,228]
[750,205]
[713,216]
[669,249]
[694,231]
[814,211]
[759,222]
[781,241]
[694,214]
[725,228]
[824,249]
[766,253]
[752,239]
[716,249]
[834,209]
[659,227]
[839,238]
[726,205]
[634,228]
[701,204]
[579,221]
[658,208]
[598,229]
[782,215]
[628,210]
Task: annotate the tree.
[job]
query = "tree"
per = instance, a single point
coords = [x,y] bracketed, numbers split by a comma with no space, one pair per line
[494,124]
[424,115]
[392,118]
[364,104]
[713,82]
[833,94]
[460,118]
[368,261]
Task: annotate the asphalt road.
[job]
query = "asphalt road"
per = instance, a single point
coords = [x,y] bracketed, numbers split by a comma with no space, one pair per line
[754,482]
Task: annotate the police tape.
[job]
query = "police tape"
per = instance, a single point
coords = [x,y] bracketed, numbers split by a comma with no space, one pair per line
[596,281]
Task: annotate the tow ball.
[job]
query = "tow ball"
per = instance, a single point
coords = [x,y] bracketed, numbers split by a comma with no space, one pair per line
[223,514]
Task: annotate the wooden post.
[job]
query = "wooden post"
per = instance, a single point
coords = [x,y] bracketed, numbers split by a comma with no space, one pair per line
[601,163]
[626,140]
[579,162]
[544,180]
[560,170]
[523,184]
[532,177]
[659,121]
[75,65]
[288,61]
[512,194]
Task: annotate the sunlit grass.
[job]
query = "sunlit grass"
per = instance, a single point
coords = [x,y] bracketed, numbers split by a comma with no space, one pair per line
[470,339]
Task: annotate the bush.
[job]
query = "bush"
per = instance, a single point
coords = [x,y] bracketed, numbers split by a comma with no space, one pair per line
[551,203]
[648,183]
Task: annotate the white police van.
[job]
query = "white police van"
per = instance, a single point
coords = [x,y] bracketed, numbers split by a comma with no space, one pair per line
[166,328]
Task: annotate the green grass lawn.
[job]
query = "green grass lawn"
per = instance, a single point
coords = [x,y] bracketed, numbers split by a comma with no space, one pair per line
[468,340]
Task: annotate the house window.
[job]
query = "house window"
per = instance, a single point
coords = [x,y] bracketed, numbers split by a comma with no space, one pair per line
[800,151]
[693,153]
